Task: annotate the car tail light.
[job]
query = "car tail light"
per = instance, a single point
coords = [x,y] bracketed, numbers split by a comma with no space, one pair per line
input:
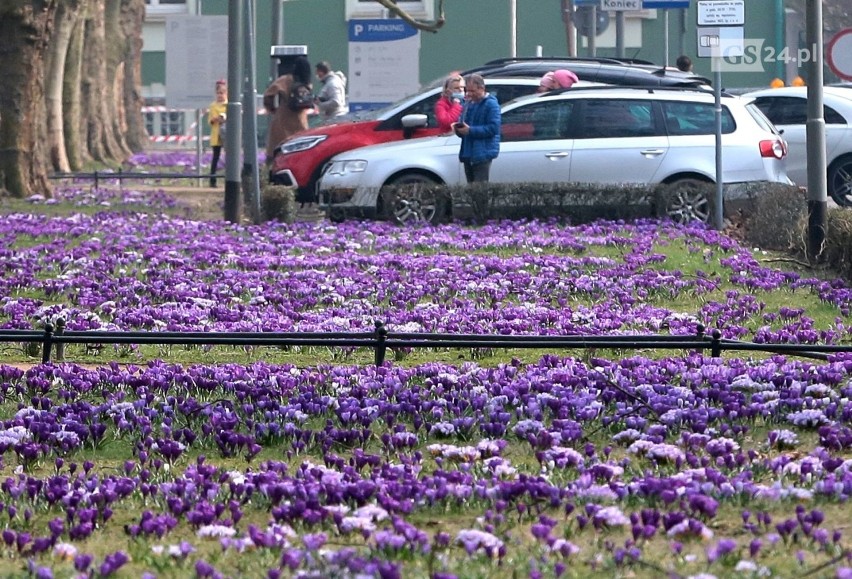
[774,148]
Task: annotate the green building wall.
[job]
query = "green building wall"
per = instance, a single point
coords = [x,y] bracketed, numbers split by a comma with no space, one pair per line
[475,31]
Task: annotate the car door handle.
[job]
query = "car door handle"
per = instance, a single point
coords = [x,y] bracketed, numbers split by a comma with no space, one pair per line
[556,154]
[652,152]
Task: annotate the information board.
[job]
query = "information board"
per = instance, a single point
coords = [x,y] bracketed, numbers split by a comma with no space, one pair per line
[384,62]
[196,57]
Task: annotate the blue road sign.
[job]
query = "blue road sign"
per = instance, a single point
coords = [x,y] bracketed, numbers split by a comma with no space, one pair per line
[662,4]
[587,3]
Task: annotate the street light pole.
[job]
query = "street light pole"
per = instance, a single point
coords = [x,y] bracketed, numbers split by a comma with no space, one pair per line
[513,29]
[817,180]
[234,136]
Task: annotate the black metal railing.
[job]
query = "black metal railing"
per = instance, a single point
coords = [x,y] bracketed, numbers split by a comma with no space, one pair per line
[380,340]
[121,176]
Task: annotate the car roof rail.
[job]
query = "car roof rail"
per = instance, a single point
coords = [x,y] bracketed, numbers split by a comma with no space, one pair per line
[664,71]
[599,59]
[648,88]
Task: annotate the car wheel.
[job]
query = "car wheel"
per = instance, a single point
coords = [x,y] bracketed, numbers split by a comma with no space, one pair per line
[413,198]
[685,200]
[840,181]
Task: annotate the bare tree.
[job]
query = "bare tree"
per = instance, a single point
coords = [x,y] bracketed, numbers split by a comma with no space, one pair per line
[426,25]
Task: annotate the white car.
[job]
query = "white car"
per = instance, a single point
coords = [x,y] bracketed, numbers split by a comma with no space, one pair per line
[787,108]
[586,135]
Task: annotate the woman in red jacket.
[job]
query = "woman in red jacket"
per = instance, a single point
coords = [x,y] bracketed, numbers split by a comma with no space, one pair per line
[449,105]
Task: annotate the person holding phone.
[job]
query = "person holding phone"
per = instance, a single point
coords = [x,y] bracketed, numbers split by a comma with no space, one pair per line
[479,129]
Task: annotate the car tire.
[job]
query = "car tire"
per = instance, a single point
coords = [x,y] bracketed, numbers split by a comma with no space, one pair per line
[413,198]
[840,181]
[685,200]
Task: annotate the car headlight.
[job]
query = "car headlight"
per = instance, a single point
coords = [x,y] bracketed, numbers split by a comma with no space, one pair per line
[301,144]
[343,167]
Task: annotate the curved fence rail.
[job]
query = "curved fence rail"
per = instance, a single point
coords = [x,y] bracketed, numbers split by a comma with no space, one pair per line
[54,338]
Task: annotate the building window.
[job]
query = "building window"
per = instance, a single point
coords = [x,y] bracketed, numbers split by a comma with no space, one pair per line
[166,125]
[422,9]
[163,7]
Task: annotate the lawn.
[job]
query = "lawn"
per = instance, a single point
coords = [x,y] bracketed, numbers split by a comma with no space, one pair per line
[312,462]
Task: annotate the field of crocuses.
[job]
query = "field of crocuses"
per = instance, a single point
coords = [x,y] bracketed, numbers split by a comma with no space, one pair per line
[440,464]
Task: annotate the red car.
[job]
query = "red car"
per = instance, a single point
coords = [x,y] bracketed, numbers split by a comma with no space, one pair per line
[299,161]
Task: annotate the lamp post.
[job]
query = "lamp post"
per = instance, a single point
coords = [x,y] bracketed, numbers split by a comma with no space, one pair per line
[513,30]
[817,180]
[234,137]
[780,40]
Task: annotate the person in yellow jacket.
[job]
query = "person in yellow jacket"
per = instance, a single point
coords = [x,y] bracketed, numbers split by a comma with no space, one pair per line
[216,117]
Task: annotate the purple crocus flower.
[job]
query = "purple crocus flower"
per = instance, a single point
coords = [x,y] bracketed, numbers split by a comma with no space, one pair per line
[112,563]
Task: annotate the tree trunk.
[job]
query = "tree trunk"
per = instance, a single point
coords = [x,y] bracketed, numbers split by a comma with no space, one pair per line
[115,125]
[26,28]
[132,18]
[77,152]
[96,92]
[66,17]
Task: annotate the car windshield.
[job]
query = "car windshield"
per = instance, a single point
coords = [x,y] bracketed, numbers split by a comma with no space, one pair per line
[378,113]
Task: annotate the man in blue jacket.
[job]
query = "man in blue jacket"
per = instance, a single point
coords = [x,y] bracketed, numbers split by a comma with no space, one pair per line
[479,129]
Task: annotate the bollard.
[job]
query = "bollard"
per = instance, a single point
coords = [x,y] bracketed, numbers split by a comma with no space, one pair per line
[48,340]
[60,346]
[716,348]
[381,348]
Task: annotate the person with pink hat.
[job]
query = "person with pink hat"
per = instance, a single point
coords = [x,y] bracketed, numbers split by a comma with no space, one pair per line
[557,79]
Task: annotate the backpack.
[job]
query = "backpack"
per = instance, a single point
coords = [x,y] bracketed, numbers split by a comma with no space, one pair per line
[301,97]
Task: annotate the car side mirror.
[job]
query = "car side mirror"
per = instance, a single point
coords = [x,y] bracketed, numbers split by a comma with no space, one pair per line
[410,124]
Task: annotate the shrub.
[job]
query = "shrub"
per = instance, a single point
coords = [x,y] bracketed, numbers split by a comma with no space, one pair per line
[776,218]
[577,202]
[278,203]
[837,253]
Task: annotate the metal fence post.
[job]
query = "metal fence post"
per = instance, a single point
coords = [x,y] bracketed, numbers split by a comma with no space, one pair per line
[716,341]
[96,179]
[46,343]
[60,346]
[381,348]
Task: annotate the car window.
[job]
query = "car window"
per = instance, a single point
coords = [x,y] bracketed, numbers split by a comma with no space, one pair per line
[424,106]
[794,111]
[618,118]
[507,92]
[685,118]
[832,117]
[538,121]
[761,119]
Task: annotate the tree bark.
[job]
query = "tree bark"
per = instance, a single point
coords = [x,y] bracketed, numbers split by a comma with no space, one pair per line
[77,152]
[115,125]
[25,27]
[132,18]
[95,88]
[66,17]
